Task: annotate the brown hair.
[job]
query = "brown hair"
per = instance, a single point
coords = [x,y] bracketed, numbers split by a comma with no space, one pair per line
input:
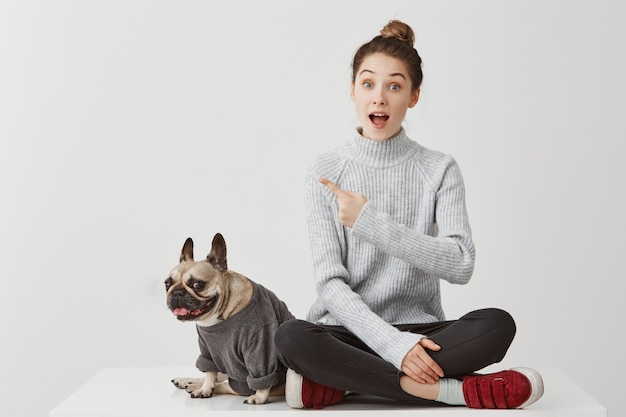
[396,40]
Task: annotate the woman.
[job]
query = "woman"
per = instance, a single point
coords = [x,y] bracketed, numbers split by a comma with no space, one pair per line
[387,221]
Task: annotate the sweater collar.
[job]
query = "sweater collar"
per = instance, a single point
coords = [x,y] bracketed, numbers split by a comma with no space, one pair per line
[380,154]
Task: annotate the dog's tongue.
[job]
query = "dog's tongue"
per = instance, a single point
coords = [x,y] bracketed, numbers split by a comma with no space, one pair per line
[181,311]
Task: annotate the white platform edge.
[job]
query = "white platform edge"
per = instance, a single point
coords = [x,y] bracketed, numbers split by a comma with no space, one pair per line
[143,391]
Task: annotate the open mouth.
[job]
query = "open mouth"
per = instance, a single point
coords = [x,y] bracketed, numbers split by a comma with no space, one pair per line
[183,313]
[379,119]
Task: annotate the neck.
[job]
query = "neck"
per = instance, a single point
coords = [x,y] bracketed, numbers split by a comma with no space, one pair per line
[360,131]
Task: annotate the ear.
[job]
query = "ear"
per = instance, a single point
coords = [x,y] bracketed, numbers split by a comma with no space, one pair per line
[415,96]
[187,253]
[352,91]
[217,256]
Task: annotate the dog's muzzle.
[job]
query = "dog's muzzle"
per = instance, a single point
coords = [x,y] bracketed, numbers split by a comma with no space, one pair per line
[185,309]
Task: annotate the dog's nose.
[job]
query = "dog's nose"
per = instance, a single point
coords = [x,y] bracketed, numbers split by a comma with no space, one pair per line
[178,293]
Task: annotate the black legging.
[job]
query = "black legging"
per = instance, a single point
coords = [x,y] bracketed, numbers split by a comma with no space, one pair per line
[332,356]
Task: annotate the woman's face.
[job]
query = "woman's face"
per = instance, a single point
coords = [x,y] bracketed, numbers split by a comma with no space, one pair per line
[382,94]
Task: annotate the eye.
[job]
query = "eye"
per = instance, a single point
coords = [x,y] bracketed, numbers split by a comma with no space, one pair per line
[198,285]
[394,87]
[367,84]
[168,284]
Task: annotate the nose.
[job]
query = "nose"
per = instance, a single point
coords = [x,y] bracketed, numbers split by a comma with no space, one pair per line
[379,97]
[178,293]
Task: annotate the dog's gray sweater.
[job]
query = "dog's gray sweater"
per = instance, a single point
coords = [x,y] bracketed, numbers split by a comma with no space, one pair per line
[412,233]
[242,346]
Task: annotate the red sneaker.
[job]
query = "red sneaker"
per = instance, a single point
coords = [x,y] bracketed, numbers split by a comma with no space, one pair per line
[515,388]
[303,393]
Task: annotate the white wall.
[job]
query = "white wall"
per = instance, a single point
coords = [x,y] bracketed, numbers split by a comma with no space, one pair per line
[127,126]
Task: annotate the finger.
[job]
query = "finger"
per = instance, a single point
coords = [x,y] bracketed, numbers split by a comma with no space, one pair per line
[427,378]
[432,370]
[418,365]
[420,371]
[430,344]
[331,186]
[427,372]
[425,362]
[430,366]
[417,377]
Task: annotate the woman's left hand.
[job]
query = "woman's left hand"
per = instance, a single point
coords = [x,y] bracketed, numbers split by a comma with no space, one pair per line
[350,203]
[419,366]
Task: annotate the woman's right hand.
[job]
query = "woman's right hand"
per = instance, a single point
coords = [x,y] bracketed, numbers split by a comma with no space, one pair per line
[350,203]
[419,366]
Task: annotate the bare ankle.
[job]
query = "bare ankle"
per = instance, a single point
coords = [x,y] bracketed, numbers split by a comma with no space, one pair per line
[416,389]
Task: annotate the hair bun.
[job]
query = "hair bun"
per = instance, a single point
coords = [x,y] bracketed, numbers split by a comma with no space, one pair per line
[399,30]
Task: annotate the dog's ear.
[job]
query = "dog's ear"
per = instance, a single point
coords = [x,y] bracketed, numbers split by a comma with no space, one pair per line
[186,254]
[217,256]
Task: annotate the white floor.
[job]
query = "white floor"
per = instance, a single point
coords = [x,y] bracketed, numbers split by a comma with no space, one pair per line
[138,392]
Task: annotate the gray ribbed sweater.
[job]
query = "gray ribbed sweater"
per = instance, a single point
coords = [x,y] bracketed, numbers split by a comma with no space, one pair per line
[412,232]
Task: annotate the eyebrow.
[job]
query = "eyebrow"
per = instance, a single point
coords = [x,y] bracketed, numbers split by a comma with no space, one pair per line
[391,75]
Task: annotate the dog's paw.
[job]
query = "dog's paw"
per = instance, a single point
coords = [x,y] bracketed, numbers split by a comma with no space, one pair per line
[201,392]
[254,401]
[196,387]
[259,397]
[188,383]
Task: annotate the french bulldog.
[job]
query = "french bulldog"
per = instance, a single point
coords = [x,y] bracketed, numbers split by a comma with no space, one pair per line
[236,320]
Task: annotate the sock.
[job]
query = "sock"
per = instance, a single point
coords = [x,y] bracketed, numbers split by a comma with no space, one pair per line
[451,391]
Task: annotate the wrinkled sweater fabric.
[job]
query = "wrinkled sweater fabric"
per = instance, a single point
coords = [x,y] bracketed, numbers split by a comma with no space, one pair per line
[243,347]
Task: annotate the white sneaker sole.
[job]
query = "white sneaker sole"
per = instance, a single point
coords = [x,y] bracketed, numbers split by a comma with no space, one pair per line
[293,389]
[536,384]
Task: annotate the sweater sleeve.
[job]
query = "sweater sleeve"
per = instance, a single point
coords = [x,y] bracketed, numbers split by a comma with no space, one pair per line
[450,255]
[261,358]
[205,362]
[328,249]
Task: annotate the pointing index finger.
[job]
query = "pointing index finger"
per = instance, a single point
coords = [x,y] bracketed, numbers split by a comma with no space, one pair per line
[331,186]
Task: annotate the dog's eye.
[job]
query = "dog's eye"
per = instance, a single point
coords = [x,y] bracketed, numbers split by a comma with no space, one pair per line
[198,286]
[168,284]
